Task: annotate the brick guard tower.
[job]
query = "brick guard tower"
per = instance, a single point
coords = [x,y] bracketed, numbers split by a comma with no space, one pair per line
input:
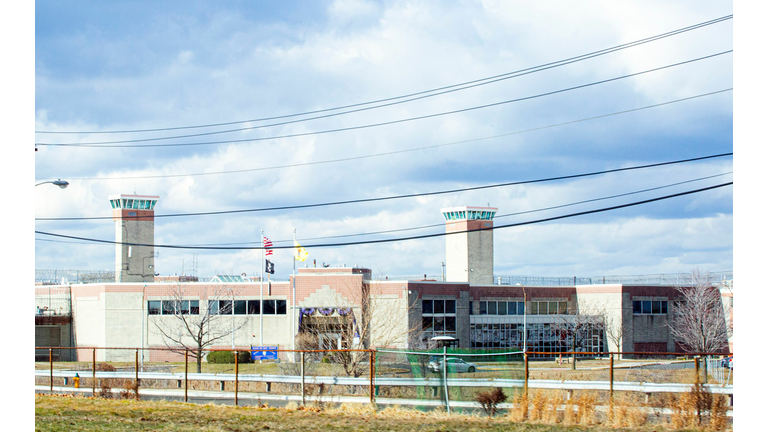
[134,217]
[469,255]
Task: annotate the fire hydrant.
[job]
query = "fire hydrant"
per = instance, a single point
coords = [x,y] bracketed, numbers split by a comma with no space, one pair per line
[76,380]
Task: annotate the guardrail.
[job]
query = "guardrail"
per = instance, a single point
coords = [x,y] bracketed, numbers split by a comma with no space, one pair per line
[432,382]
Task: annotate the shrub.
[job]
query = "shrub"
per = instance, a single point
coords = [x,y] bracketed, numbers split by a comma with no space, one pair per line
[489,400]
[228,357]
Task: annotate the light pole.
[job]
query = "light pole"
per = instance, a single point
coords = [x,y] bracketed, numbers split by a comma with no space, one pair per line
[60,183]
[525,326]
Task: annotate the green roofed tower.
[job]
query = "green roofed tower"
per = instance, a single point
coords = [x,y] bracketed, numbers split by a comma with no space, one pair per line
[134,217]
[469,255]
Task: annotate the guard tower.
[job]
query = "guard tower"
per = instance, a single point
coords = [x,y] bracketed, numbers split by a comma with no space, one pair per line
[469,255]
[134,217]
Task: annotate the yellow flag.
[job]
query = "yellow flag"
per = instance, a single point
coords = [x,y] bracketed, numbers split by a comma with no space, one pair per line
[301,253]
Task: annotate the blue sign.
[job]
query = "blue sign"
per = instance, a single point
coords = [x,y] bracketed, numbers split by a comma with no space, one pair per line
[264,353]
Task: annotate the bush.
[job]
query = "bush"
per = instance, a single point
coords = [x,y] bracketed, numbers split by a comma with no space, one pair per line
[228,357]
[489,400]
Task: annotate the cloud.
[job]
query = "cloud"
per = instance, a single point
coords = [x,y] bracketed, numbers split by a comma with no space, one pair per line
[208,64]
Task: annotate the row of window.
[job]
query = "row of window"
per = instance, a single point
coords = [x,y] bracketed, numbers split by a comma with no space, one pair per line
[649,307]
[438,324]
[135,204]
[500,308]
[542,337]
[218,307]
[438,307]
[469,214]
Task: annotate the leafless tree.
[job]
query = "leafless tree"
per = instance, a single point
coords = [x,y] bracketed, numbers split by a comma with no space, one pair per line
[579,327]
[364,318]
[699,321]
[616,328]
[182,329]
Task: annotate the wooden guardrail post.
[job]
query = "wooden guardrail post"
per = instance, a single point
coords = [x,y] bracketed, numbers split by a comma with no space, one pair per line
[696,362]
[373,376]
[611,377]
[525,375]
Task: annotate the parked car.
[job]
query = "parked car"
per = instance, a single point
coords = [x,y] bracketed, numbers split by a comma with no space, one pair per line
[455,365]
[727,362]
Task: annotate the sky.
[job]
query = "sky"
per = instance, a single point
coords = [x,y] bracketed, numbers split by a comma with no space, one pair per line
[105,72]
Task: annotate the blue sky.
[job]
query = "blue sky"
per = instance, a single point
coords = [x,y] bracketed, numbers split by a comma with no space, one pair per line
[143,65]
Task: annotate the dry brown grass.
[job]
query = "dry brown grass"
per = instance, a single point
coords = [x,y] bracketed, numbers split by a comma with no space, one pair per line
[519,411]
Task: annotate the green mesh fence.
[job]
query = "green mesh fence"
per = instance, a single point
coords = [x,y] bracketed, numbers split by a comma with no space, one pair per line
[431,378]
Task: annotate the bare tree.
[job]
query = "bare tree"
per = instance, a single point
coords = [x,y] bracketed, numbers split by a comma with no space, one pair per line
[616,328]
[364,318]
[185,326]
[578,330]
[699,321]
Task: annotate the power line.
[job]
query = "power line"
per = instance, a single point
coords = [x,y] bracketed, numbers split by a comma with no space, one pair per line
[496,217]
[387,198]
[423,236]
[275,167]
[468,84]
[125,143]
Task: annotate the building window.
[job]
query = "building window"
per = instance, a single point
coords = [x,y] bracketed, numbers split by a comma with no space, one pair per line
[549,308]
[153,307]
[502,308]
[254,307]
[240,307]
[438,318]
[172,307]
[650,307]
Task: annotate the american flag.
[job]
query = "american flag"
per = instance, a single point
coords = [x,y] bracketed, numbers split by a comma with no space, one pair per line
[267,244]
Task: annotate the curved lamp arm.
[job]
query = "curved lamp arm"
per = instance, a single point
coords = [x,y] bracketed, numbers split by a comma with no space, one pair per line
[60,183]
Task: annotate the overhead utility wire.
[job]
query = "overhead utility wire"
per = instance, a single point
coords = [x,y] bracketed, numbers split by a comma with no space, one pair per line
[496,217]
[398,151]
[391,240]
[112,144]
[388,198]
[495,78]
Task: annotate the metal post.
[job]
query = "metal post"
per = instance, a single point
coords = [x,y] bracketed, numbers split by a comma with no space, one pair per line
[94,373]
[445,378]
[186,374]
[137,367]
[237,371]
[611,375]
[525,382]
[303,393]
[373,375]
[50,364]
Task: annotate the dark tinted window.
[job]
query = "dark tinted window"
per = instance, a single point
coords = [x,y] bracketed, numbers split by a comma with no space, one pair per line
[269,307]
[240,307]
[502,306]
[194,307]
[154,308]
[280,307]
[439,306]
[450,306]
[636,308]
[483,308]
[491,308]
[450,324]
[646,306]
[254,307]
[426,306]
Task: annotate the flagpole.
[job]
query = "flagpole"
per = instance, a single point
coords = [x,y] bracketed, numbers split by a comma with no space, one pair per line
[293,301]
[261,293]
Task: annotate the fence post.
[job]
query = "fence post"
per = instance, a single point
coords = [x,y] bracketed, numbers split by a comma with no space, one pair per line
[237,370]
[696,362]
[303,392]
[137,367]
[186,374]
[525,375]
[94,373]
[611,374]
[50,364]
[373,375]
[445,379]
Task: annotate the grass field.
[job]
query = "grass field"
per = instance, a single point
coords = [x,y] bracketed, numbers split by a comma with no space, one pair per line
[61,413]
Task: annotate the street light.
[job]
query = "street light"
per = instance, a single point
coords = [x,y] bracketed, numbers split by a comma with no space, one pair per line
[525,326]
[60,183]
